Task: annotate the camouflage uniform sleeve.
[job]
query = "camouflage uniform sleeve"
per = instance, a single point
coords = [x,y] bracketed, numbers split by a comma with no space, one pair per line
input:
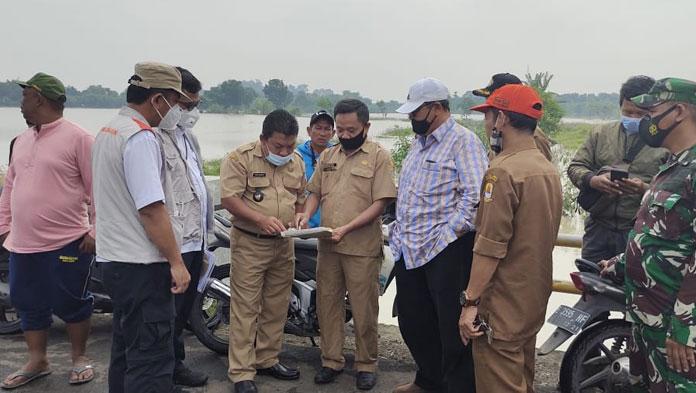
[683,320]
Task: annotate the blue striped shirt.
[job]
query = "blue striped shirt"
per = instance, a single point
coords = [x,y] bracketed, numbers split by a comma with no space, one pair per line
[438,192]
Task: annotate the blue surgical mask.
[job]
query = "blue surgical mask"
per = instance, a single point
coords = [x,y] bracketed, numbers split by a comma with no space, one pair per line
[630,124]
[276,159]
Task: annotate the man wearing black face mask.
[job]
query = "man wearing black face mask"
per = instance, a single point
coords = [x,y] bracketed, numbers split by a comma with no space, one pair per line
[658,266]
[615,202]
[433,237]
[354,183]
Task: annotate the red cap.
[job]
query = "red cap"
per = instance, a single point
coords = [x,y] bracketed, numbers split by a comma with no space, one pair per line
[514,98]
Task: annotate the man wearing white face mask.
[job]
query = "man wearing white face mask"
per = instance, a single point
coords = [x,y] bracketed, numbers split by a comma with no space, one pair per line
[263,185]
[613,203]
[139,240]
[184,161]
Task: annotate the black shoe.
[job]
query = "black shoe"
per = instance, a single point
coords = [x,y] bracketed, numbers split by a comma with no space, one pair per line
[187,377]
[326,375]
[245,387]
[280,371]
[366,380]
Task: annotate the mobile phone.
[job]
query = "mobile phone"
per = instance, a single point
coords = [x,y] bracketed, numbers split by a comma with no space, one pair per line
[618,174]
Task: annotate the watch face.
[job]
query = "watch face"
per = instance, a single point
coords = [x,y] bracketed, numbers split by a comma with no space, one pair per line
[462,298]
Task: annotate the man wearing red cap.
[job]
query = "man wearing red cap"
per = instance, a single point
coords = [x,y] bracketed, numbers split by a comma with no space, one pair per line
[516,223]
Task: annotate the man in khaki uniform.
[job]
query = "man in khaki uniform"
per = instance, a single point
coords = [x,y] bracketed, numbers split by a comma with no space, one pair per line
[262,185]
[354,183]
[541,141]
[517,224]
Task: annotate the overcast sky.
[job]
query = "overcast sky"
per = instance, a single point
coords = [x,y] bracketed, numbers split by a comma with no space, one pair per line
[376,47]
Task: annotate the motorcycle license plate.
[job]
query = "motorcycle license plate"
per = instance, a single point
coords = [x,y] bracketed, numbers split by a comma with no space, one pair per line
[569,319]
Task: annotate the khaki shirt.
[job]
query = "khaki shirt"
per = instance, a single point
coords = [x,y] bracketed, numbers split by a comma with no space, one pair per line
[347,186]
[517,222]
[246,171]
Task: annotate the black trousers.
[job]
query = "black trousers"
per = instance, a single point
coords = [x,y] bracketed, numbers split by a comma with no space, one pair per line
[142,351]
[428,302]
[599,243]
[184,301]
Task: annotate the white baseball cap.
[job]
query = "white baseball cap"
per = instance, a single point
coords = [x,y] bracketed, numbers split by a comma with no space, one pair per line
[424,90]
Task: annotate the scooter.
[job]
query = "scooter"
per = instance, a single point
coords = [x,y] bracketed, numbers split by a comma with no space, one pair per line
[210,315]
[597,358]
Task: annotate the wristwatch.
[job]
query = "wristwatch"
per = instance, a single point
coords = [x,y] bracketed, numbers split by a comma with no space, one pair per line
[465,301]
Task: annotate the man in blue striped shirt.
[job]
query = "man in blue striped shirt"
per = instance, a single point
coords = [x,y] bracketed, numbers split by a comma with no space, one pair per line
[432,238]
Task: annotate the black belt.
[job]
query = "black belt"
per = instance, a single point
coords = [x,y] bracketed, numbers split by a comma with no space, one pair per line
[256,235]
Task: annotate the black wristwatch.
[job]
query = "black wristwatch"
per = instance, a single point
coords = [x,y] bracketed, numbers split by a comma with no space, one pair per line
[465,301]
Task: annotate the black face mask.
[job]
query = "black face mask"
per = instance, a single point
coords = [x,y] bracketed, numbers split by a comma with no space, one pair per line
[496,139]
[651,133]
[354,142]
[420,127]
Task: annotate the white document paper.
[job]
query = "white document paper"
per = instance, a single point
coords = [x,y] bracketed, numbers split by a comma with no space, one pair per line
[318,232]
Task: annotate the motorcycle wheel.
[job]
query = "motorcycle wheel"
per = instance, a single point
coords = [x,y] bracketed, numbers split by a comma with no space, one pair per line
[9,320]
[210,316]
[597,361]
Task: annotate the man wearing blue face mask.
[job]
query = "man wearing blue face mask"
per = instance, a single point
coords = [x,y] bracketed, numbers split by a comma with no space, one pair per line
[263,185]
[612,204]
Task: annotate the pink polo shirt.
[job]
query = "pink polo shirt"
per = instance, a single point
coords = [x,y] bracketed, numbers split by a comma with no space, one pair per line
[47,188]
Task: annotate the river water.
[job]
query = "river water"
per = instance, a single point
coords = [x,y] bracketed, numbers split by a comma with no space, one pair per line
[222,133]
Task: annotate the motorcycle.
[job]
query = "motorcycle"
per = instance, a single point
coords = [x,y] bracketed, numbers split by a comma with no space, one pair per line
[597,358]
[210,315]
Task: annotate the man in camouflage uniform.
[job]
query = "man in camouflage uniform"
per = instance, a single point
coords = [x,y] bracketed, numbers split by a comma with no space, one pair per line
[658,265]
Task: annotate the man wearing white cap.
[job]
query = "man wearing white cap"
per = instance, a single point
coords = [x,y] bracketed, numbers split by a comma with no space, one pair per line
[433,237]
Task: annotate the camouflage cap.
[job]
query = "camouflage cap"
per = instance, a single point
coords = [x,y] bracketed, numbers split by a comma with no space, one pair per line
[668,89]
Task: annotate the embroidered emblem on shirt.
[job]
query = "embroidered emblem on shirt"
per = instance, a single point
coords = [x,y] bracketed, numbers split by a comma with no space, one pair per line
[364,162]
[67,259]
[258,195]
[488,192]
[492,178]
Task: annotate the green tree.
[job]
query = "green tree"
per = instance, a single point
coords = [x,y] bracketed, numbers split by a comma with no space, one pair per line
[230,94]
[276,92]
[382,107]
[550,122]
[466,103]
[325,104]
[262,106]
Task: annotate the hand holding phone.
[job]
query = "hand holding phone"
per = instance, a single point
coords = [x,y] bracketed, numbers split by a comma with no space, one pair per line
[617,174]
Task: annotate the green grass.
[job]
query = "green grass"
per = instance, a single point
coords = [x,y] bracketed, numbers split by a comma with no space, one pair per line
[572,135]
[212,167]
[396,132]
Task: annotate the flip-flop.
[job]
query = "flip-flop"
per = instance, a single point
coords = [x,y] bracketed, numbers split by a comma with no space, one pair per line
[79,370]
[28,377]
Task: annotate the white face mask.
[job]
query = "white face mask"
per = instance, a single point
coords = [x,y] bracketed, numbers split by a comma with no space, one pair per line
[169,120]
[189,118]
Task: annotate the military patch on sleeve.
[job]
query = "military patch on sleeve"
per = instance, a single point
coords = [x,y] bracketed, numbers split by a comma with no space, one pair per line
[488,192]
[234,157]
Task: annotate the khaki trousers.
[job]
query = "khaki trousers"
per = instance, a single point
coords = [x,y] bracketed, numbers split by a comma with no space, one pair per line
[504,366]
[261,275]
[360,276]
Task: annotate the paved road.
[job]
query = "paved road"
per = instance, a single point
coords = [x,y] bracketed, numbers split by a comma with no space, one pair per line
[305,357]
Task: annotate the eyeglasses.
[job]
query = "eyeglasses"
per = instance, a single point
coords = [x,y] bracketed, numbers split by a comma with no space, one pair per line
[191,105]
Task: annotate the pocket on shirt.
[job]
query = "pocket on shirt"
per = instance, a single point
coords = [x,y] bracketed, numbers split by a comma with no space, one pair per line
[437,178]
[361,181]
[662,217]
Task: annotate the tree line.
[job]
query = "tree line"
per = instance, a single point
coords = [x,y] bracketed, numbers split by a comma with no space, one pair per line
[257,97]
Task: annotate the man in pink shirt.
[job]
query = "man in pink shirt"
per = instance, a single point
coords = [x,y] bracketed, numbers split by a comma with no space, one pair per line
[44,223]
